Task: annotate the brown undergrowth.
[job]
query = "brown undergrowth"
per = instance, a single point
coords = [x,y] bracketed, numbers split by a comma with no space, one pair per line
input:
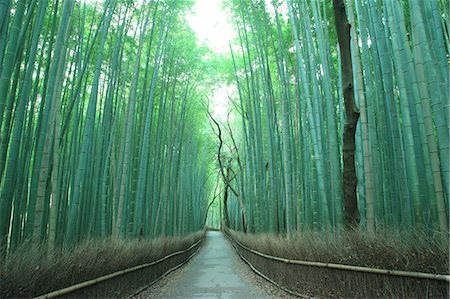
[393,250]
[30,272]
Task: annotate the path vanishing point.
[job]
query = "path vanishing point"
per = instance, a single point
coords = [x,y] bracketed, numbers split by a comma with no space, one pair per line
[216,272]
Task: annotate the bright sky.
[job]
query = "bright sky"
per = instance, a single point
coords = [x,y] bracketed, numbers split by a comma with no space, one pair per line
[211,23]
[220,103]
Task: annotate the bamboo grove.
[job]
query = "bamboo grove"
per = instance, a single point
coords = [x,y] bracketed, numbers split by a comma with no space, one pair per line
[98,122]
[285,162]
[103,106]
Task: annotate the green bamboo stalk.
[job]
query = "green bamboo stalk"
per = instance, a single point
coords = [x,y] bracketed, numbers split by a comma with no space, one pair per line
[86,143]
[9,61]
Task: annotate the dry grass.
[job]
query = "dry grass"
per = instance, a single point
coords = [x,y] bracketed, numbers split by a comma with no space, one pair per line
[394,250]
[413,251]
[31,272]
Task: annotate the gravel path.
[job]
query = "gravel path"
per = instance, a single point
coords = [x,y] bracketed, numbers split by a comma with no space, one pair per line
[216,272]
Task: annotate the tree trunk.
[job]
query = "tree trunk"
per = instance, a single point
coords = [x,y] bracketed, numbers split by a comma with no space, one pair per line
[352,216]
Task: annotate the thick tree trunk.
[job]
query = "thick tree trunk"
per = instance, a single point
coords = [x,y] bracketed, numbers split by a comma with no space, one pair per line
[352,216]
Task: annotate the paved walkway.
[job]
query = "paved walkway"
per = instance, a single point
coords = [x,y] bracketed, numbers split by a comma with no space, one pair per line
[212,274]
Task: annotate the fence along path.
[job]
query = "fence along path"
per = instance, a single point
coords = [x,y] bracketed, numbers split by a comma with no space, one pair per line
[213,273]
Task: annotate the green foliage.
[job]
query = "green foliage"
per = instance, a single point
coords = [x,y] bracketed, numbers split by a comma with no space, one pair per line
[112,78]
[287,69]
[104,129]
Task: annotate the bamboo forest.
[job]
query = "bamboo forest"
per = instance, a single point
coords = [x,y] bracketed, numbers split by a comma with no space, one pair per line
[120,121]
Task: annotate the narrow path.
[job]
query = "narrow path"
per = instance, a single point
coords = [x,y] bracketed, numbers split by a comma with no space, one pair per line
[216,272]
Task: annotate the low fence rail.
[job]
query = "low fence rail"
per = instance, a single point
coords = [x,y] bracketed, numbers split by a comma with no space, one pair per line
[317,279]
[128,282]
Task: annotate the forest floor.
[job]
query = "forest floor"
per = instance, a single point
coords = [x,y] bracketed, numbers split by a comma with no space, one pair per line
[216,272]
[30,272]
